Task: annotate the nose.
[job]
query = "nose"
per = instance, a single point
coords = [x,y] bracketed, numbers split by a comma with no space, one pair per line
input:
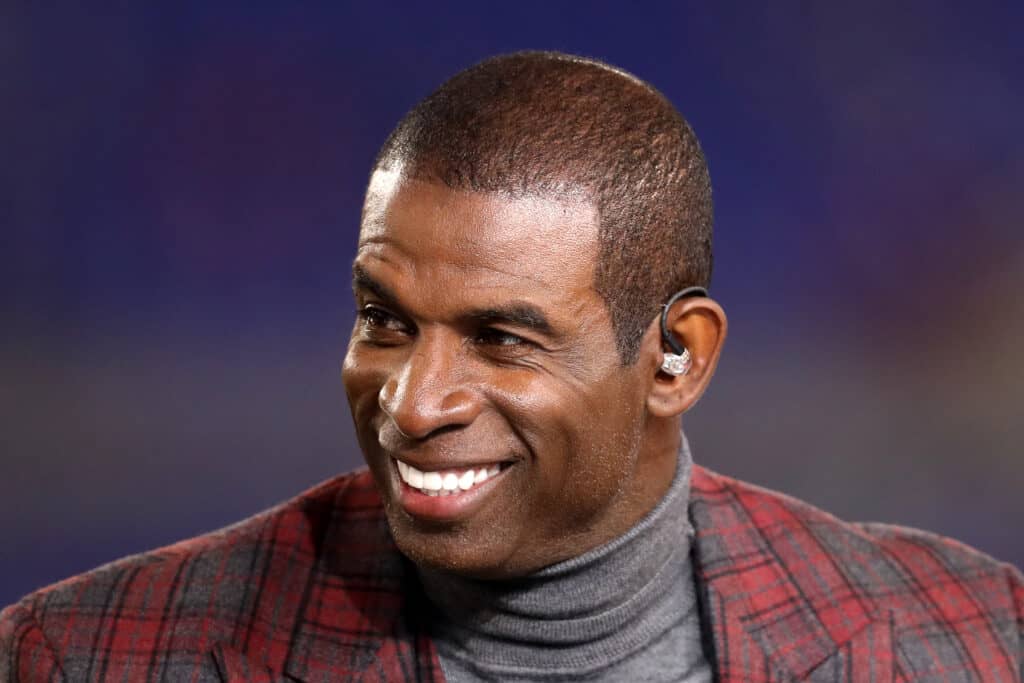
[430,391]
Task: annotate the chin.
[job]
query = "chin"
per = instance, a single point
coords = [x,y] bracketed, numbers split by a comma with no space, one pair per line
[456,551]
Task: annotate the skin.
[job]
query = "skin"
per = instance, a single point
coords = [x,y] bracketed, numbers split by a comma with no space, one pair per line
[481,339]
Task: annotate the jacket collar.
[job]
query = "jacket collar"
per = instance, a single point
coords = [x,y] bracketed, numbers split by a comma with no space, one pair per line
[776,604]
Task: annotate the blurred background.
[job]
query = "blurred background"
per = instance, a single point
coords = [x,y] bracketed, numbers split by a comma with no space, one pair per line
[180,188]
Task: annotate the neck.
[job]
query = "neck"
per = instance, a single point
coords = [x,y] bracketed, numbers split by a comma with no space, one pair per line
[585,613]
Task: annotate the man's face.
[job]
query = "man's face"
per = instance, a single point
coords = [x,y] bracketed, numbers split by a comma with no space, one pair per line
[487,393]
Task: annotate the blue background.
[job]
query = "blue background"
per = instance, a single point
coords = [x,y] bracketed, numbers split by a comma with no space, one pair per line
[179,197]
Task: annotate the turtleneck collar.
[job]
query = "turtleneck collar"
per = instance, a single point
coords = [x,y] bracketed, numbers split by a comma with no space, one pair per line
[578,616]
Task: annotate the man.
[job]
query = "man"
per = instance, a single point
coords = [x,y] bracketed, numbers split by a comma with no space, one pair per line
[531,511]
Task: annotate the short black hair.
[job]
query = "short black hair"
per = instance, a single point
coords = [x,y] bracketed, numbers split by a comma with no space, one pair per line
[552,123]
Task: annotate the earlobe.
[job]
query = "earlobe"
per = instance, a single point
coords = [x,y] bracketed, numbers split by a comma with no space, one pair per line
[684,363]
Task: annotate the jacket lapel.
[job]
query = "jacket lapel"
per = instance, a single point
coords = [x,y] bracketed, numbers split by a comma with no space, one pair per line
[777,605]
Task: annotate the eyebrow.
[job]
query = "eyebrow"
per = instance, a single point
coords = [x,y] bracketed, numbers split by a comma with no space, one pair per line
[518,313]
[362,280]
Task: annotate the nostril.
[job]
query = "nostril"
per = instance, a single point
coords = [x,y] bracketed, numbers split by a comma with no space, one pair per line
[444,429]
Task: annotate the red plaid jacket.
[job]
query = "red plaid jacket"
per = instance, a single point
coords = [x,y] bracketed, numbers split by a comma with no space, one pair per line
[314,590]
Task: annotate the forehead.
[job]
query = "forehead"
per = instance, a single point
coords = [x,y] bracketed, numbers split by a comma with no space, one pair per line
[478,239]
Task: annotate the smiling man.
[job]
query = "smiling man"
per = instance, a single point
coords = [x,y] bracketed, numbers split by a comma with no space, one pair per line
[532,323]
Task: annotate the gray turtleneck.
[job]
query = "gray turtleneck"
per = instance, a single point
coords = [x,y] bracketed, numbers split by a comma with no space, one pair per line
[626,611]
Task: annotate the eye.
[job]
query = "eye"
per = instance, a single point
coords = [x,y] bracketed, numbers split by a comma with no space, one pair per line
[379,324]
[500,341]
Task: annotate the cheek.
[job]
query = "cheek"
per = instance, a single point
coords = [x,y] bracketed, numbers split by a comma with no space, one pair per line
[363,376]
[581,436]
[606,436]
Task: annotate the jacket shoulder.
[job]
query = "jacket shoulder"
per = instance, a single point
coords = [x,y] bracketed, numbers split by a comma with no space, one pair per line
[183,597]
[884,559]
[939,592]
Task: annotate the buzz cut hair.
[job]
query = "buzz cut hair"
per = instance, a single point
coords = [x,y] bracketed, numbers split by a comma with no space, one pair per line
[553,124]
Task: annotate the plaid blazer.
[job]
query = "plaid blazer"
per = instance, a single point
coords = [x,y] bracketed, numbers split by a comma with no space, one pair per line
[314,590]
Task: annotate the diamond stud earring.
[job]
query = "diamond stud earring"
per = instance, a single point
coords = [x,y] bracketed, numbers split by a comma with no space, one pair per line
[676,364]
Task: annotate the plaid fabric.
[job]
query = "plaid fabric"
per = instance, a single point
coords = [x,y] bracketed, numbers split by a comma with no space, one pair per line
[792,593]
[314,590]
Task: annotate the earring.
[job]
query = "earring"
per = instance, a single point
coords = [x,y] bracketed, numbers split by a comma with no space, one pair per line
[676,364]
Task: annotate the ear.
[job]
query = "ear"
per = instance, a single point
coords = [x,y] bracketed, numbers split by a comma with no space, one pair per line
[699,324]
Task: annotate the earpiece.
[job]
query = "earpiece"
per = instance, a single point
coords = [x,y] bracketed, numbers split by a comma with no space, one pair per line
[675,364]
[678,362]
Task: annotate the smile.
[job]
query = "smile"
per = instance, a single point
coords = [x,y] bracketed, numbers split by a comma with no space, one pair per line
[446,482]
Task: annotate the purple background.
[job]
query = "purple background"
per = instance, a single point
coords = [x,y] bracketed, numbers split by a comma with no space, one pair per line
[179,201]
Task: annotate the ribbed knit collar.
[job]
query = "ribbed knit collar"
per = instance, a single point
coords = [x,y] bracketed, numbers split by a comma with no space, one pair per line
[577,616]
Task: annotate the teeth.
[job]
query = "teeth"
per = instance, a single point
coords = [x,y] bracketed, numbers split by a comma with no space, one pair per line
[431,481]
[445,483]
[413,477]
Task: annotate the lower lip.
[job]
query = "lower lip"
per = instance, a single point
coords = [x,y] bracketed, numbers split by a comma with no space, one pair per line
[451,508]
